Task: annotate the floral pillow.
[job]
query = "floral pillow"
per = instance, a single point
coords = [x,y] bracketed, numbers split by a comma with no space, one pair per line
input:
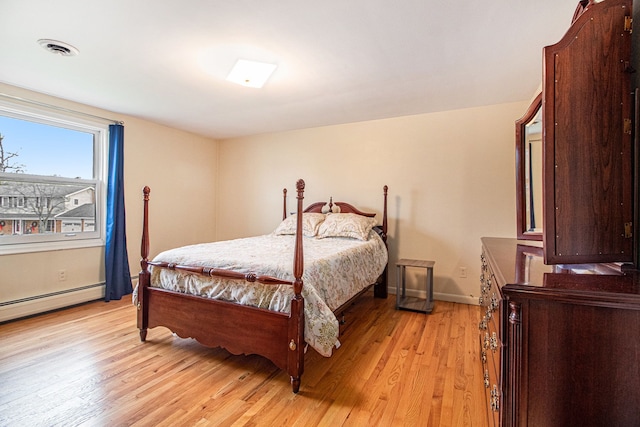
[346,225]
[310,224]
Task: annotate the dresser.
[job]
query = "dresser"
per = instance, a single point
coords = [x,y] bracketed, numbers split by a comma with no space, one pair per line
[560,345]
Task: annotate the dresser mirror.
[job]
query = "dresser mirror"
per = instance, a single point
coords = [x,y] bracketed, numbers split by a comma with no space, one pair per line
[529,176]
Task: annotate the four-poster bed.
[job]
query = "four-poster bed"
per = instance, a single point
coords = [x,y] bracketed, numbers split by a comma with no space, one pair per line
[177,288]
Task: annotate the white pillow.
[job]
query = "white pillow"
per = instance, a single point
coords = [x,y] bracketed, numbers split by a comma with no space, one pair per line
[346,225]
[310,223]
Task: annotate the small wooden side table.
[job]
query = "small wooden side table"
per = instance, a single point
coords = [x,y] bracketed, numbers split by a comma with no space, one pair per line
[404,302]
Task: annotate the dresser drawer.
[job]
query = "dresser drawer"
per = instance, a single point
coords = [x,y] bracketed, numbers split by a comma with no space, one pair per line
[491,340]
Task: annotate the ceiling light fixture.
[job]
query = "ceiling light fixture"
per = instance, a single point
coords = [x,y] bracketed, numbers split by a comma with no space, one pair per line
[58,47]
[251,73]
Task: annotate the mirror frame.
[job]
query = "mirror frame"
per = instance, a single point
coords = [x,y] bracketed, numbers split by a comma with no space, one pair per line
[521,124]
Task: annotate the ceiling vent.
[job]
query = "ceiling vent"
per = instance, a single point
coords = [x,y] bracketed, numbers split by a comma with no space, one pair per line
[58,47]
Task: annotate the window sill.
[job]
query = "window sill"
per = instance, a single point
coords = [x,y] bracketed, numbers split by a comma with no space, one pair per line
[23,248]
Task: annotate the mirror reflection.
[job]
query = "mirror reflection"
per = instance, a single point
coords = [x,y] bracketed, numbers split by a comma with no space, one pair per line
[529,178]
[533,174]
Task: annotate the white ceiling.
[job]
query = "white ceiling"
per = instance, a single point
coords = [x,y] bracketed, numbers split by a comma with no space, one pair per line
[339,61]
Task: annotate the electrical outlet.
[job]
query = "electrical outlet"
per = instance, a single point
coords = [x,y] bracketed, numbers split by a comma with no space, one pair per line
[463,272]
[62,275]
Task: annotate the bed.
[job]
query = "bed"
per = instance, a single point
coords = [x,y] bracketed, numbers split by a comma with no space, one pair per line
[270,295]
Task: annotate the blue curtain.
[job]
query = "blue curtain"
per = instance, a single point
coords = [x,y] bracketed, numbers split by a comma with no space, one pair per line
[116,259]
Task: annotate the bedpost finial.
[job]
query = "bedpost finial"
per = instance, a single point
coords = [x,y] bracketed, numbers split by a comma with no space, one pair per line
[385,189]
[300,184]
[145,192]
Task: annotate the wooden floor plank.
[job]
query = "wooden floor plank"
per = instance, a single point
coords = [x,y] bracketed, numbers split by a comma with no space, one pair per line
[86,366]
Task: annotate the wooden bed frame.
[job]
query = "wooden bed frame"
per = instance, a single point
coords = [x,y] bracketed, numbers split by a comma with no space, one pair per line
[240,329]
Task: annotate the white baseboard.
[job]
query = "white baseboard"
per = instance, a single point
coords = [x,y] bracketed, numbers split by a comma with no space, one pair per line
[29,307]
[439,296]
[462,299]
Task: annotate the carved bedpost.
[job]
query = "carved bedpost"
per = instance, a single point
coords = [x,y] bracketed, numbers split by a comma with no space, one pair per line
[296,325]
[298,258]
[384,213]
[143,277]
[284,204]
[380,290]
[144,246]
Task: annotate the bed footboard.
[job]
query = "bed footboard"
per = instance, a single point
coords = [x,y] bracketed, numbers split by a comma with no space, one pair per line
[240,329]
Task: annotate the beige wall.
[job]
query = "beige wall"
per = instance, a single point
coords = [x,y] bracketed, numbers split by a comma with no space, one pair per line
[180,168]
[451,178]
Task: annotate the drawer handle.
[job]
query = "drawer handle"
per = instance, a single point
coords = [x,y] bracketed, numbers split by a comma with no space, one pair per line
[494,302]
[493,343]
[486,378]
[483,357]
[482,325]
[495,399]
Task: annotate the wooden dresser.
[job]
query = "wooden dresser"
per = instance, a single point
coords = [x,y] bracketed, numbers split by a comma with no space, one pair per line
[560,347]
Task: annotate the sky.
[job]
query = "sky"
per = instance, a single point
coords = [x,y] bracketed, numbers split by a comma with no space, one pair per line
[48,150]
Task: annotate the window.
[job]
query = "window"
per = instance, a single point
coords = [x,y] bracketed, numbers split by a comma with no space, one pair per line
[52,179]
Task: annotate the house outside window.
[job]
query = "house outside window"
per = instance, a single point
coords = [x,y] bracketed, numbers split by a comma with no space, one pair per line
[52,179]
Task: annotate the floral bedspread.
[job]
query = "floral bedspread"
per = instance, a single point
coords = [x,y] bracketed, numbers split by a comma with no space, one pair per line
[335,269]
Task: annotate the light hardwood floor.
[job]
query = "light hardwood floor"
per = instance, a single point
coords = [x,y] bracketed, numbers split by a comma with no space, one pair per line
[87,366]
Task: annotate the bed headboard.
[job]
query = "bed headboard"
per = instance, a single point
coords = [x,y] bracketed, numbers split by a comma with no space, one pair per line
[344,208]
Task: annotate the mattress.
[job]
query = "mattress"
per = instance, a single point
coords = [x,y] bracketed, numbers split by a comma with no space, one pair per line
[335,269]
